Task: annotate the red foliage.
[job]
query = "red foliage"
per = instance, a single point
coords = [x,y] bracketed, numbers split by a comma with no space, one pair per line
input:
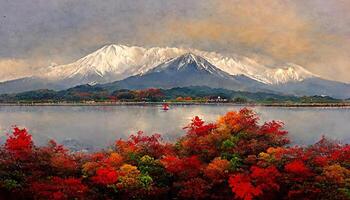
[59,189]
[321,160]
[147,145]
[273,127]
[150,93]
[63,162]
[233,158]
[124,147]
[217,170]
[298,167]
[191,166]
[20,143]
[265,177]
[188,166]
[188,98]
[172,164]
[259,182]
[341,154]
[198,128]
[105,176]
[140,138]
[53,147]
[243,188]
[195,188]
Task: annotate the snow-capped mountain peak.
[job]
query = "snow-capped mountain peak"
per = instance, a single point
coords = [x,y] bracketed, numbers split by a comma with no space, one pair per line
[187,70]
[289,73]
[120,63]
[199,62]
[116,62]
[113,62]
[187,61]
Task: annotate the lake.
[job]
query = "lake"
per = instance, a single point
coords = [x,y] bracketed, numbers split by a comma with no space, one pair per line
[95,127]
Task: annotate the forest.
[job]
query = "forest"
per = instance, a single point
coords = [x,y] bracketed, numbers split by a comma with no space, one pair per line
[88,93]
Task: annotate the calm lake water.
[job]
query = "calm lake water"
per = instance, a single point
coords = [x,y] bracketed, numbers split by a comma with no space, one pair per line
[95,127]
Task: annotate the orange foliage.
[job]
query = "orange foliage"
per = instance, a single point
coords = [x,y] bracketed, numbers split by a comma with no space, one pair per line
[235,158]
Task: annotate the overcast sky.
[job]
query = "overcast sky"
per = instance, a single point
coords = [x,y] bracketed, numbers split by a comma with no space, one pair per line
[311,33]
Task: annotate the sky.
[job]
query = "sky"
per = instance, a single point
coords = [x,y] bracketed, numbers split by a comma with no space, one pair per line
[312,33]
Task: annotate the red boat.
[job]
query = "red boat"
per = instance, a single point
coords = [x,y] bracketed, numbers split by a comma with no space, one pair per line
[165,106]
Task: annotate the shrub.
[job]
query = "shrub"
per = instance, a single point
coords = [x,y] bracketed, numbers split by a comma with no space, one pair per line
[234,158]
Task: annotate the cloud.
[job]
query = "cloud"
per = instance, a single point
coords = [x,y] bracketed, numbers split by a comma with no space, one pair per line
[281,30]
[315,33]
[12,68]
[270,27]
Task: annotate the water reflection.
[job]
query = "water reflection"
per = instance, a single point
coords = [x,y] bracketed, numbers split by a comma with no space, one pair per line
[99,126]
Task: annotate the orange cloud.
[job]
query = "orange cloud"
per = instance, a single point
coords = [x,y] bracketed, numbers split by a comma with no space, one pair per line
[279,29]
[13,68]
[269,30]
[270,26]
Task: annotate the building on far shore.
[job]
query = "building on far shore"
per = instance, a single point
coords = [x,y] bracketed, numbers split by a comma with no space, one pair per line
[217,99]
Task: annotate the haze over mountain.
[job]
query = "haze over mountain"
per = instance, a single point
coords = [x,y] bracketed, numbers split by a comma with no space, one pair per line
[117,62]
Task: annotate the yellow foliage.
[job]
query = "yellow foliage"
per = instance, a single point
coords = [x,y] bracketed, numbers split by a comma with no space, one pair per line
[89,168]
[115,159]
[336,173]
[129,176]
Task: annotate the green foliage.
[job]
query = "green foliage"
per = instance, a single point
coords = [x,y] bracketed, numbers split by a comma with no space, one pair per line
[195,93]
[319,99]
[235,162]
[227,144]
[240,100]
[146,180]
[10,184]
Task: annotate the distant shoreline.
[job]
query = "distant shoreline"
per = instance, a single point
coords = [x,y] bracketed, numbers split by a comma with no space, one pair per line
[182,103]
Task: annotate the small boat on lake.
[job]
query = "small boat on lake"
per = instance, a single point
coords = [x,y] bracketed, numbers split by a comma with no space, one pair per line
[165,106]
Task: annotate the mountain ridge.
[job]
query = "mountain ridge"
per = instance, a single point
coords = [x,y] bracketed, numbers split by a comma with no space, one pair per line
[187,70]
[123,61]
[119,62]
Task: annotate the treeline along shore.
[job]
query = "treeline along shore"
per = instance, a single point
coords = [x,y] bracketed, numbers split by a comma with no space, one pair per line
[176,104]
[92,95]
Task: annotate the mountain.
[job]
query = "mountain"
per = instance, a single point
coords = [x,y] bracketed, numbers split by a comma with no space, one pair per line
[28,84]
[187,70]
[111,63]
[117,62]
[315,86]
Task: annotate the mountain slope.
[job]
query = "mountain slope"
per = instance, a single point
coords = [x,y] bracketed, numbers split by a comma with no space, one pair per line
[116,62]
[111,63]
[28,84]
[187,70]
[315,86]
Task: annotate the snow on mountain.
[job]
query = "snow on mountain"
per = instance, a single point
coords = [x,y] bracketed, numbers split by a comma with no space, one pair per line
[116,62]
[186,60]
[245,66]
[291,72]
[184,71]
